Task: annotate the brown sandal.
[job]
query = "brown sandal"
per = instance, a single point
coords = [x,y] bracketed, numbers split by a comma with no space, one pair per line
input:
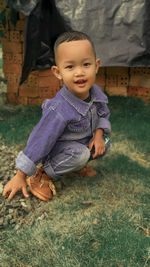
[41,185]
[86,171]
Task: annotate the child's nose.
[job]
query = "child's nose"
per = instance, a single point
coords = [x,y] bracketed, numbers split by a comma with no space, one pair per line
[79,71]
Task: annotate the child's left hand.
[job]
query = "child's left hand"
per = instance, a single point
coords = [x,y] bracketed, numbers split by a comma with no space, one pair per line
[98,144]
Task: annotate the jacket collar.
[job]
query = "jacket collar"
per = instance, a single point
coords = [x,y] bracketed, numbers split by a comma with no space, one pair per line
[81,106]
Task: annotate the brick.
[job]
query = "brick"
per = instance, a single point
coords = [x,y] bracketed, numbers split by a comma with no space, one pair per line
[12,68]
[51,81]
[22,36]
[24,90]
[111,80]
[12,47]
[140,71]
[22,100]
[140,81]
[123,80]
[12,88]
[34,100]
[117,70]
[7,57]
[101,71]
[100,80]
[143,93]
[11,58]
[12,79]
[47,92]
[12,98]
[15,36]
[32,81]
[20,25]
[46,72]
[118,91]
[21,16]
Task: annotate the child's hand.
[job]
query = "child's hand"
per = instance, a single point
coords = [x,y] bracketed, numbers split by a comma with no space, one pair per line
[18,182]
[99,147]
[98,143]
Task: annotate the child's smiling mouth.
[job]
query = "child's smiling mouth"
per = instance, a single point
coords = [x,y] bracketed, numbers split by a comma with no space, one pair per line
[81,82]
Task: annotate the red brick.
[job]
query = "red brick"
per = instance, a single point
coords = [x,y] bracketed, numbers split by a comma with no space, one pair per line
[100,80]
[28,91]
[123,80]
[32,81]
[12,88]
[120,91]
[46,72]
[12,98]
[12,68]
[47,92]
[140,71]
[111,80]
[143,93]
[34,100]
[12,47]
[21,16]
[20,25]
[51,81]
[117,70]
[22,100]
[15,36]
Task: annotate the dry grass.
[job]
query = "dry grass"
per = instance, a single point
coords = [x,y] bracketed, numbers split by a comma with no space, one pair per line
[100,221]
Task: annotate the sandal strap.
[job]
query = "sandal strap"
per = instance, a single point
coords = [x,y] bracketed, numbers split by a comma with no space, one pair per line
[50,184]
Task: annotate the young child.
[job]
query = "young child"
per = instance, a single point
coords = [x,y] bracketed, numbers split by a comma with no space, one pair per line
[73,126]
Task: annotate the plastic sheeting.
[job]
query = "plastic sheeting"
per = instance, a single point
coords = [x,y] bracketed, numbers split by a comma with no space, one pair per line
[120,29]
[23,6]
[43,25]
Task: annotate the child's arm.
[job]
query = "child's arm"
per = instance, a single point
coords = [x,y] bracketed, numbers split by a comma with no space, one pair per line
[98,143]
[18,182]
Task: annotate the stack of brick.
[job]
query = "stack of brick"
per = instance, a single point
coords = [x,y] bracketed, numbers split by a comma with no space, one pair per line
[139,83]
[42,84]
[117,80]
[12,45]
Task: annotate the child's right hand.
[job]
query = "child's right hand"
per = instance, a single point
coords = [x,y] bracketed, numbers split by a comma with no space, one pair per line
[18,182]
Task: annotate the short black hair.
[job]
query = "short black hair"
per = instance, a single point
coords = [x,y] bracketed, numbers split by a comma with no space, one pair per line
[72,36]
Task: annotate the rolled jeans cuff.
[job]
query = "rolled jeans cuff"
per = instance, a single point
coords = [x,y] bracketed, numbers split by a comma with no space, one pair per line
[25,164]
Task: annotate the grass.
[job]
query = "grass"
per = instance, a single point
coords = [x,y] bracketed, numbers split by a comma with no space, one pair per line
[93,222]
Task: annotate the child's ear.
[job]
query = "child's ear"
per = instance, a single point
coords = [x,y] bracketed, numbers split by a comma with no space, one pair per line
[56,72]
[97,65]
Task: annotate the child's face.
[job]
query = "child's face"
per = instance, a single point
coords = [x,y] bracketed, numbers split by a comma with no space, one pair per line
[76,66]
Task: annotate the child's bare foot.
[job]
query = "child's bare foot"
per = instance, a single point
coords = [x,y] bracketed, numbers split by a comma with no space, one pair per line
[86,171]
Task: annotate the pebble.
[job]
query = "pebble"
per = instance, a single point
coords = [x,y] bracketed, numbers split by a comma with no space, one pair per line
[1,188]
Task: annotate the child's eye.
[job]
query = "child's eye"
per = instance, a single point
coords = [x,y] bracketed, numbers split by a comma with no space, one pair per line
[69,67]
[86,64]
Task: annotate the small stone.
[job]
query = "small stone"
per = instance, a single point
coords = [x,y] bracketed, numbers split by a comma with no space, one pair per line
[11,211]
[1,188]
[23,204]
[9,216]
[1,221]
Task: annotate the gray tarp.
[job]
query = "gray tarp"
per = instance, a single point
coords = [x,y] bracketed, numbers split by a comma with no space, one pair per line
[120,29]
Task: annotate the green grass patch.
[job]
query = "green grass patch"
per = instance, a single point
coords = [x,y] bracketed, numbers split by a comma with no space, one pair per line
[17,122]
[100,221]
[1,63]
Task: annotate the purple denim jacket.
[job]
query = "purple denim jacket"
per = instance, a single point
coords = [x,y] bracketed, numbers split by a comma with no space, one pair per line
[65,117]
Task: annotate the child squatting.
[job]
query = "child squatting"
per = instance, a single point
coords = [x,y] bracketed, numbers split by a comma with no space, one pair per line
[73,126]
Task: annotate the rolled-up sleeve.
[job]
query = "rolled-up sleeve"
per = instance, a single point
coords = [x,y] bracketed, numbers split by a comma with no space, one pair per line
[41,141]
[103,119]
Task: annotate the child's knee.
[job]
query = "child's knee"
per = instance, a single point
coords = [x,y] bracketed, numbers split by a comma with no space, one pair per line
[83,156]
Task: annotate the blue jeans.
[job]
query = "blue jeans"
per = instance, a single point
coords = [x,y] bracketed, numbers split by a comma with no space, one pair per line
[66,157]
